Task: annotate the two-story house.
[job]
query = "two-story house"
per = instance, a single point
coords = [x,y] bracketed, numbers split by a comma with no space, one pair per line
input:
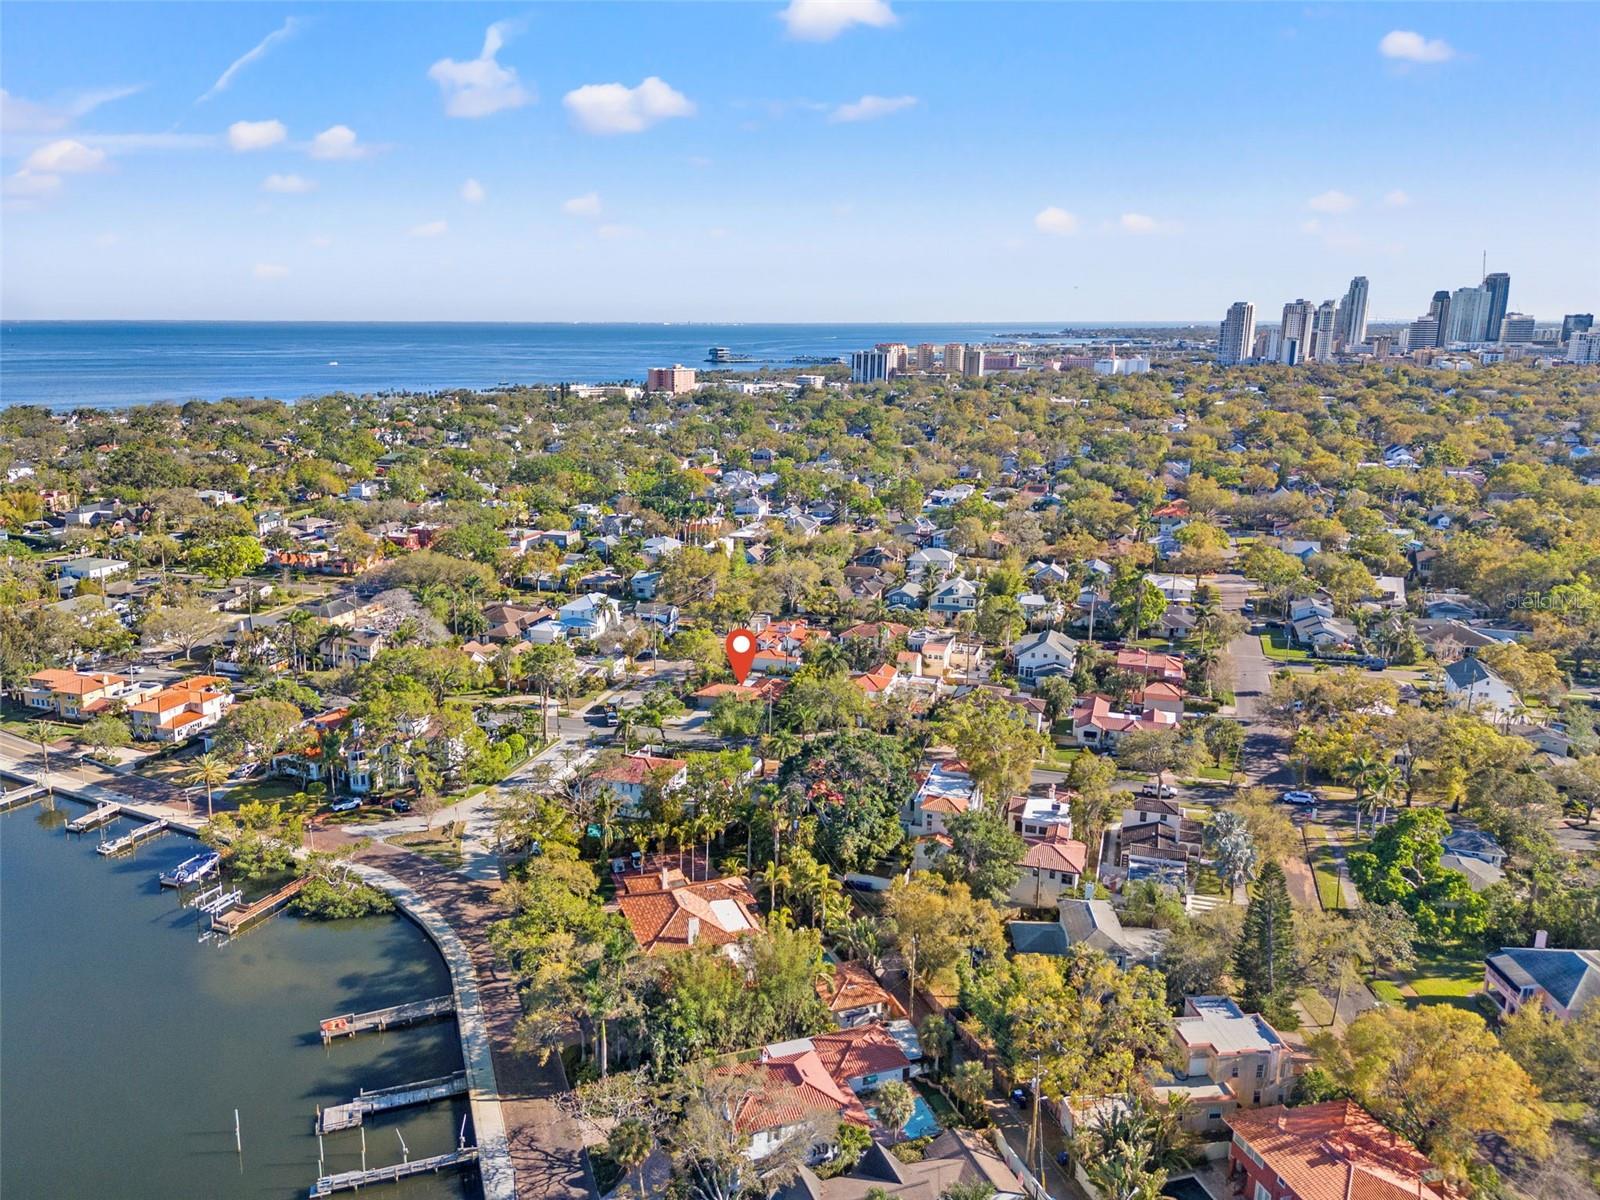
[72,695]
[1562,981]
[1230,1059]
[1325,1151]
[181,710]
[589,616]
[1043,655]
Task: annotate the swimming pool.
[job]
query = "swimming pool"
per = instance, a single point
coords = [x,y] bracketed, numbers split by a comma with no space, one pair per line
[922,1124]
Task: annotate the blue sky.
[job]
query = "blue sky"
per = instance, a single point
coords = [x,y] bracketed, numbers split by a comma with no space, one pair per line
[797,160]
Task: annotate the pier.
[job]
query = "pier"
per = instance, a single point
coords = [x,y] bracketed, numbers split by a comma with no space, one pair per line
[350,1115]
[393,1017]
[349,1181]
[129,840]
[237,920]
[93,819]
[20,796]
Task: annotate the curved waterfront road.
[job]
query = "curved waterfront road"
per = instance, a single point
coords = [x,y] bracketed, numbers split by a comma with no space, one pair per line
[546,1150]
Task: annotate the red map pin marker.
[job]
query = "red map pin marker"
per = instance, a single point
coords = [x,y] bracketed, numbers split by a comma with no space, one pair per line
[741,648]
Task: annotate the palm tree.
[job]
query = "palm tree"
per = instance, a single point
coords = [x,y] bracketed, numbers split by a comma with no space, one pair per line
[630,1145]
[209,770]
[41,732]
[776,880]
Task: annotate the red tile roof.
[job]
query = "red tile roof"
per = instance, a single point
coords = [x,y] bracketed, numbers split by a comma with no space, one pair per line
[788,1091]
[863,1050]
[853,986]
[713,912]
[636,768]
[1057,853]
[1336,1151]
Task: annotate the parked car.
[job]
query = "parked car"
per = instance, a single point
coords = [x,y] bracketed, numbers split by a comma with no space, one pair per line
[1300,799]
[1248,608]
[613,718]
[1373,662]
[1162,791]
[402,805]
[349,805]
[1019,1097]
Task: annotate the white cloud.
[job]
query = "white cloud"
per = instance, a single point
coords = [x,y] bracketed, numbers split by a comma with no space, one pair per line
[1055,220]
[28,185]
[1311,225]
[337,141]
[1137,223]
[132,143]
[270,271]
[1331,201]
[824,20]
[259,50]
[429,229]
[870,108]
[472,192]
[481,86]
[586,205]
[27,116]
[1409,46]
[66,157]
[321,241]
[612,108]
[288,185]
[255,135]
[1396,199]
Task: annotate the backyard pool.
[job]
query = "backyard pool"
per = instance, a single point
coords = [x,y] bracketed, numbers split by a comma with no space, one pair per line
[922,1124]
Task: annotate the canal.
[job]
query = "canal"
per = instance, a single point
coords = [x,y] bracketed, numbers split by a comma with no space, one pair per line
[126,1044]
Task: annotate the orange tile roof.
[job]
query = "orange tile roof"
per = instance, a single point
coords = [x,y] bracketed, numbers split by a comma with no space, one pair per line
[1336,1151]
[636,768]
[1057,854]
[852,986]
[877,680]
[848,1054]
[659,918]
[788,1091]
[74,683]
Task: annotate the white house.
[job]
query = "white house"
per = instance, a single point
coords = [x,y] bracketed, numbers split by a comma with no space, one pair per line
[954,596]
[92,568]
[1470,685]
[589,616]
[1045,654]
[1177,588]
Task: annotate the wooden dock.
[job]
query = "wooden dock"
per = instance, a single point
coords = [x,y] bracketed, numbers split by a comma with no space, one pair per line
[348,1116]
[393,1017]
[129,840]
[20,796]
[94,819]
[237,920]
[349,1181]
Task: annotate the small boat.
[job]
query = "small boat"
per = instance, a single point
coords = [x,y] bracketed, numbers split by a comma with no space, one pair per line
[333,362]
[191,870]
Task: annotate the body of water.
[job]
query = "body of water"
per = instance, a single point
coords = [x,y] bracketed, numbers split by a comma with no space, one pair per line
[107,364]
[127,1045]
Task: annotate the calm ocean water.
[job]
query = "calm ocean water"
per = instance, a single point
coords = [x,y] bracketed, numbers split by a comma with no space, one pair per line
[104,364]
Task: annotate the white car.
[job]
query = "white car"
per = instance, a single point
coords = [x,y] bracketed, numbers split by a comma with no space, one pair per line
[1302,799]
[349,805]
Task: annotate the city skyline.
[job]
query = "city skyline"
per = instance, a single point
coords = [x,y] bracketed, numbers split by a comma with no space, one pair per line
[729,162]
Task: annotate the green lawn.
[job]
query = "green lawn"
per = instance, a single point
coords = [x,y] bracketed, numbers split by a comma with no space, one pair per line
[1325,867]
[1275,647]
[1218,774]
[1063,756]
[1441,975]
[1386,991]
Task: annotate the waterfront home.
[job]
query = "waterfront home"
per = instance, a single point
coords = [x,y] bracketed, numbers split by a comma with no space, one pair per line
[181,710]
[1326,1151]
[1562,981]
[668,912]
[72,695]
